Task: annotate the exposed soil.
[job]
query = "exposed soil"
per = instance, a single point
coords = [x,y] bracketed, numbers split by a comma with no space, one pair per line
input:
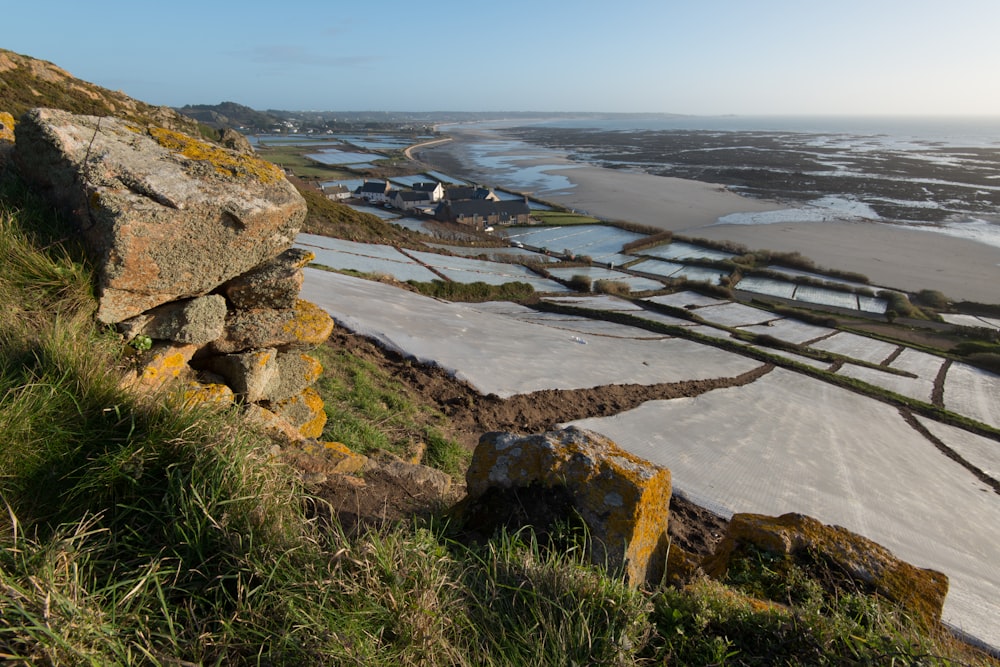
[377,499]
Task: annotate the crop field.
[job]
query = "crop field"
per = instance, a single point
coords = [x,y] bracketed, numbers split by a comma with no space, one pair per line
[662,318]
[826,297]
[973,392]
[682,250]
[735,315]
[919,388]
[796,273]
[686,299]
[870,304]
[790,330]
[658,267]
[467,270]
[855,463]
[595,273]
[767,287]
[371,259]
[857,347]
[791,356]
[977,450]
[584,325]
[970,320]
[489,351]
[602,302]
[919,363]
[600,242]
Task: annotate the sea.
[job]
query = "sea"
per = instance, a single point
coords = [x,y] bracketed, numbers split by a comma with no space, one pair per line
[941,174]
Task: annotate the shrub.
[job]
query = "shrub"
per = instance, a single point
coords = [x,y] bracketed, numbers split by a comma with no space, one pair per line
[930,298]
[580,282]
[616,287]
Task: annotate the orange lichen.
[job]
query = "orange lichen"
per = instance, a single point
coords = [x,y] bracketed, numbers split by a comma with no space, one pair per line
[313,428]
[311,324]
[7,123]
[227,163]
[197,393]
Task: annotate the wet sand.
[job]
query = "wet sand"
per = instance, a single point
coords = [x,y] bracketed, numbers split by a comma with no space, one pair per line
[890,255]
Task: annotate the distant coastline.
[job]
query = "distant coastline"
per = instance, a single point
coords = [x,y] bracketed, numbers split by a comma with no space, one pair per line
[907,258]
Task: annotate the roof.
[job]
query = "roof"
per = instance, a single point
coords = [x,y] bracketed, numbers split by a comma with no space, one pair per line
[426,187]
[406,195]
[482,207]
[374,187]
[463,192]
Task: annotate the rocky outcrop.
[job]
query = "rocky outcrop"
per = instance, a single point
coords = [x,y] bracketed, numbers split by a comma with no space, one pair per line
[192,246]
[548,479]
[166,216]
[840,553]
[623,500]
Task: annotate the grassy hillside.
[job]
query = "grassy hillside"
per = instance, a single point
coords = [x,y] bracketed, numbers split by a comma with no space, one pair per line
[26,83]
[137,531]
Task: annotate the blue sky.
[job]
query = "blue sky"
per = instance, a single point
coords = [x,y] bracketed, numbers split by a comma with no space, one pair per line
[913,57]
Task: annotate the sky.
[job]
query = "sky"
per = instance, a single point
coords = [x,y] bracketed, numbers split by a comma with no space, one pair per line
[703,57]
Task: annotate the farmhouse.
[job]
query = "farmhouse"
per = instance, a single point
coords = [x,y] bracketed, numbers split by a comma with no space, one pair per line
[408,200]
[481,213]
[337,192]
[461,193]
[435,190]
[374,191]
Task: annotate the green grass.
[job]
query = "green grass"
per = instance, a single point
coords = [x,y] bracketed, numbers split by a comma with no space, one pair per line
[294,158]
[136,532]
[370,411]
[563,218]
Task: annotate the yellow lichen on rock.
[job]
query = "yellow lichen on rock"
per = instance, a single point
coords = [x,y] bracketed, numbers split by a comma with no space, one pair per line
[305,412]
[7,123]
[624,500]
[197,393]
[342,460]
[311,325]
[226,162]
[164,362]
[920,591]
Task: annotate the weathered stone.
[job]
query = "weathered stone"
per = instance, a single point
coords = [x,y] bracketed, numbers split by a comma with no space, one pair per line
[162,363]
[248,374]
[306,325]
[295,372]
[6,127]
[275,284]
[236,141]
[274,426]
[623,499]
[197,321]
[304,412]
[199,393]
[165,216]
[341,460]
[436,481]
[920,591]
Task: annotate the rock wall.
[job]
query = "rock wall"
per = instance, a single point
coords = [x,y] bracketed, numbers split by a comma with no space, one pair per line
[192,247]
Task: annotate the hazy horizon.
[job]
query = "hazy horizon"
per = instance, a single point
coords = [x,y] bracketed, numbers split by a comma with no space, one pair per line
[719,57]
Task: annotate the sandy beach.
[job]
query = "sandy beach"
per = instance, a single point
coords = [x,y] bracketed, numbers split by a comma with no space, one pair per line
[890,255]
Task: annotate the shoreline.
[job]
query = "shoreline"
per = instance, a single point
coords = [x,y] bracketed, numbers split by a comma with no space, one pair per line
[891,255]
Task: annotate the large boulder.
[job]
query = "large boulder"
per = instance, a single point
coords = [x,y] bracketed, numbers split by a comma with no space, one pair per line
[623,500]
[839,553]
[164,215]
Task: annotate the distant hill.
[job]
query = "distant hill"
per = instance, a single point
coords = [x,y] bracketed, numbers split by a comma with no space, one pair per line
[26,83]
[229,114]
